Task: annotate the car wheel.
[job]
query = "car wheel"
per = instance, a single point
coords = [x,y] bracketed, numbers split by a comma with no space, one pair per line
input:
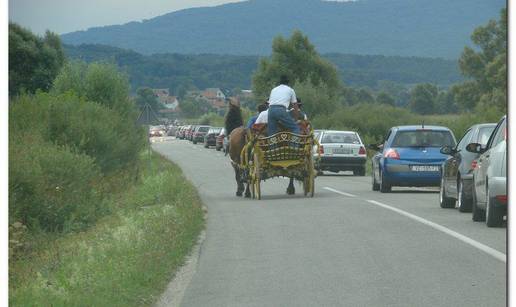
[444,201]
[494,216]
[463,202]
[376,186]
[384,186]
[478,215]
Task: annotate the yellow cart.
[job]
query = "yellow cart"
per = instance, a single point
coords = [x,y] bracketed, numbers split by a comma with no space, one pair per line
[283,154]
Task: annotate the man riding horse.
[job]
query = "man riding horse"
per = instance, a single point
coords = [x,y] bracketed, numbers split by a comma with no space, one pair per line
[279,101]
[276,116]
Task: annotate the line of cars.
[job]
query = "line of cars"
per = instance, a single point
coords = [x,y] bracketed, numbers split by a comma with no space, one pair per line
[471,173]
[208,136]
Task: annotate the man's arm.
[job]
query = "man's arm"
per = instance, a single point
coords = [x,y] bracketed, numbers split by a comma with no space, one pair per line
[293,97]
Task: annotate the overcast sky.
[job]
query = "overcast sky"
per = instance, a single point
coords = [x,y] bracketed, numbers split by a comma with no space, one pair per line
[63,16]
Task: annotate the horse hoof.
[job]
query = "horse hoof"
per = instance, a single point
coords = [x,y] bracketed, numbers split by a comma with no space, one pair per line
[239,193]
[248,195]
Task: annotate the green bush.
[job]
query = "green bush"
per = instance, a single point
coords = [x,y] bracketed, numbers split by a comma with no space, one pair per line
[87,127]
[51,187]
[212,119]
[97,82]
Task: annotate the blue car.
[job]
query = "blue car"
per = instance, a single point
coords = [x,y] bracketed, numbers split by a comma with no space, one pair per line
[410,157]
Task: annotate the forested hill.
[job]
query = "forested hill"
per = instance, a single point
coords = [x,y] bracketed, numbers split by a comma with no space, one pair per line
[227,71]
[428,28]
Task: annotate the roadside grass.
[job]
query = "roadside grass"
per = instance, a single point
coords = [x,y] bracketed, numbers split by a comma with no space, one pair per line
[126,259]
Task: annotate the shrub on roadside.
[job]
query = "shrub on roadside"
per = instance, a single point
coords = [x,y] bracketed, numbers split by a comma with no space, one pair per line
[373,121]
[97,82]
[87,127]
[52,188]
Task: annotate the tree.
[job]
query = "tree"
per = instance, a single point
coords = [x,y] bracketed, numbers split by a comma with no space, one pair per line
[192,108]
[365,95]
[144,96]
[297,58]
[34,62]
[423,98]
[384,98]
[445,102]
[487,67]
[101,83]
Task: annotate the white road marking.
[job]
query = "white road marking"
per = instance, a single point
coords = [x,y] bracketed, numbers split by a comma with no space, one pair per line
[339,192]
[496,254]
[486,249]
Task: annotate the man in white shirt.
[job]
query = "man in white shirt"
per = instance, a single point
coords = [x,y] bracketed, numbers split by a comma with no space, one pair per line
[280,99]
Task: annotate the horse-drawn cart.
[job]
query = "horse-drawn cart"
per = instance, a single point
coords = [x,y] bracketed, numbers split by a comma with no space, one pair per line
[283,154]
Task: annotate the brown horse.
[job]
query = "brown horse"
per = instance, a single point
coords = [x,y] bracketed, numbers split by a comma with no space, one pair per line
[236,137]
[237,141]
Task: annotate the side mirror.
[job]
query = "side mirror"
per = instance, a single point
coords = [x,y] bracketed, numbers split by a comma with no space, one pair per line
[447,150]
[475,148]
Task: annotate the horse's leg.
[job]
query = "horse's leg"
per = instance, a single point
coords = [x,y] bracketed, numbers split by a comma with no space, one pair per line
[247,190]
[290,189]
[238,178]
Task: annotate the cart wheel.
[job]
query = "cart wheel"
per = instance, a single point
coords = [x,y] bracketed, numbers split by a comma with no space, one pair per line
[309,181]
[256,177]
[251,184]
[312,184]
[306,187]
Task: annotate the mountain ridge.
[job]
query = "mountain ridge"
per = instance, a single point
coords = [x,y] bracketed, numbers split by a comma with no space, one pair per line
[437,28]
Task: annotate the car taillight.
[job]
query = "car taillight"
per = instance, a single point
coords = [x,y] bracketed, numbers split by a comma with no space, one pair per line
[392,154]
[502,198]
[321,149]
[473,164]
[362,150]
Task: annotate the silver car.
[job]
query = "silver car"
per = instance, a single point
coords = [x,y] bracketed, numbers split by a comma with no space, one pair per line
[340,151]
[489,177]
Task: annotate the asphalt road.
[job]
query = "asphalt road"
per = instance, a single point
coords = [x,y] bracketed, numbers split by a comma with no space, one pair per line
[347,246]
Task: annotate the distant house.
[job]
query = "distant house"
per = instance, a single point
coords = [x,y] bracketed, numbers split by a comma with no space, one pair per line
[215,97]
[160,92]
[170,104]
[213,94]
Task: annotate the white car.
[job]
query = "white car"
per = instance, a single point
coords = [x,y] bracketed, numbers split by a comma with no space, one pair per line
[490,177]
[340,151]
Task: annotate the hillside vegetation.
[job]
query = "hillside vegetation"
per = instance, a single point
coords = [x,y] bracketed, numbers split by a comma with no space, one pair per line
[179,72]
[437,28]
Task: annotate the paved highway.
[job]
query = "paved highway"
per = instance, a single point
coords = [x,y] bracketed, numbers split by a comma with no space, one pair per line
[347,246]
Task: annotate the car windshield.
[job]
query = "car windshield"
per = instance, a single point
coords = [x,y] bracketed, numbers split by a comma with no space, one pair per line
[484,134]
[423,138]
[340,137]
[215,130]
[203,129]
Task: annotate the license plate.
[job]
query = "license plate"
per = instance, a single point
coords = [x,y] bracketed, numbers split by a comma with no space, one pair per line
[345,151]
[424,168]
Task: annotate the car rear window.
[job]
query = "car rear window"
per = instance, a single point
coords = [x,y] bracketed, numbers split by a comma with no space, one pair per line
[484,134]
[340,137]
[423,138]
[203,129]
